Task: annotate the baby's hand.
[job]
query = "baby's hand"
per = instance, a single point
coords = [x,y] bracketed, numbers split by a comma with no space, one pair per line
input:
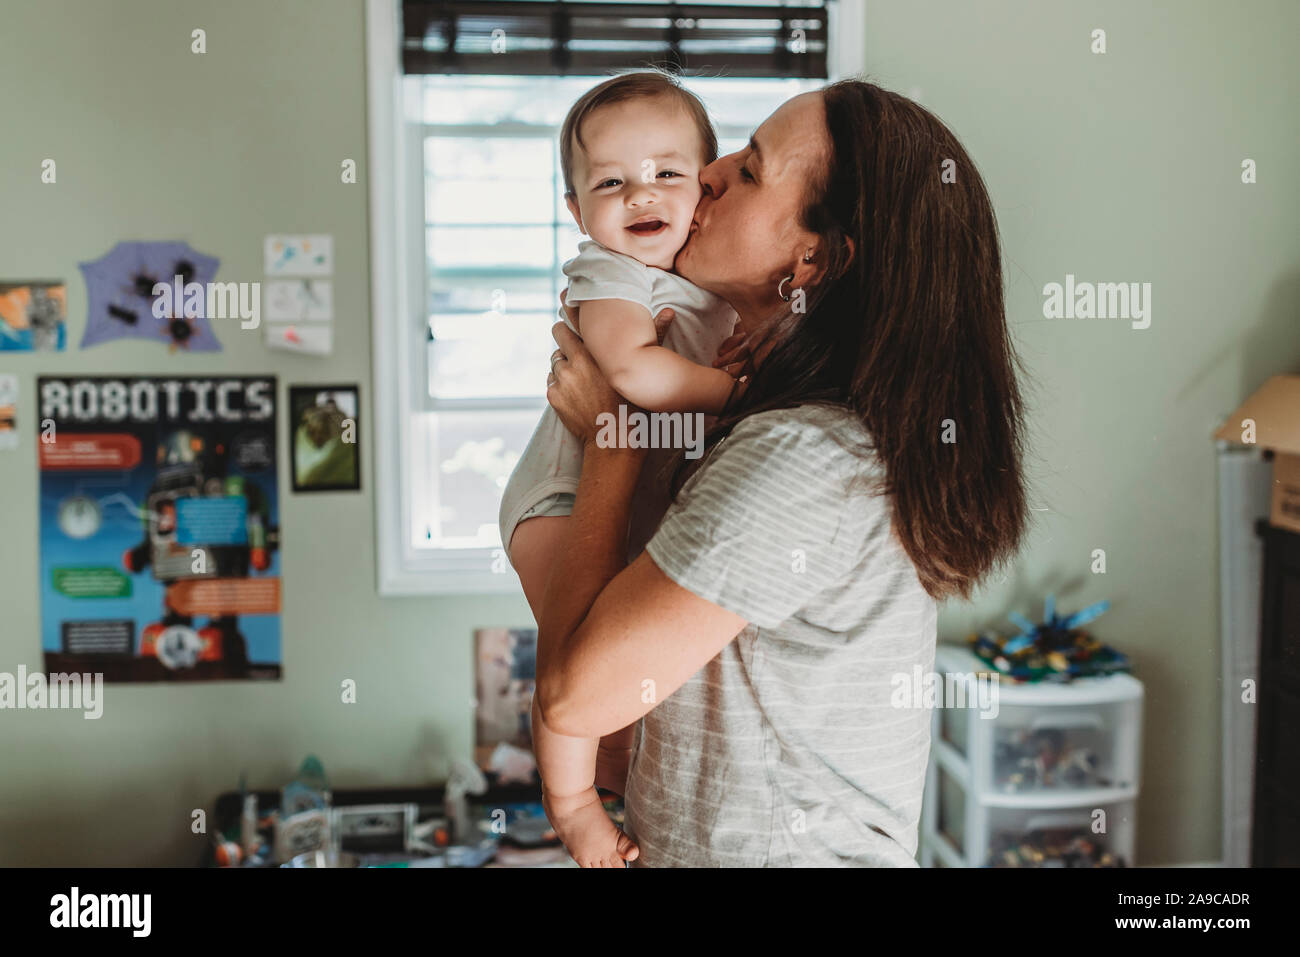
[588,834]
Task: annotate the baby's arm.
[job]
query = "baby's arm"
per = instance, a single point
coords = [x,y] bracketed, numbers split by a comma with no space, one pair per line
[621,337]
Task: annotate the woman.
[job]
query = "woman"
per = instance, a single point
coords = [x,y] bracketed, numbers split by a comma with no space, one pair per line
[870,468]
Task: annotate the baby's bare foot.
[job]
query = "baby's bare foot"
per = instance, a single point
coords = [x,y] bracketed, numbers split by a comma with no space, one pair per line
[590,837]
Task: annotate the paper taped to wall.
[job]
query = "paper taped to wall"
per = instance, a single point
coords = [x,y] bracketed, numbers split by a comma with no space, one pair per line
[311,339]
[296,300]
[298,255]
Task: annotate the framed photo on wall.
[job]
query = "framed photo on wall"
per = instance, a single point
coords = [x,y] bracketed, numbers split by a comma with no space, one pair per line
[325,437]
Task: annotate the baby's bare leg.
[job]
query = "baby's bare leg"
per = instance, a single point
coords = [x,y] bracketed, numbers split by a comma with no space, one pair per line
[532,553]
[567,765]
[574,808]
[533,546]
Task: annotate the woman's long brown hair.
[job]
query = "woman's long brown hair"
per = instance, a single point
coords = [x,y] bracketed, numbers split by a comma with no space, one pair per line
[909,333]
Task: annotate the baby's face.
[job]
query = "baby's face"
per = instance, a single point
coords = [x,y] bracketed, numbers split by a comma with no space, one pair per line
[638,180]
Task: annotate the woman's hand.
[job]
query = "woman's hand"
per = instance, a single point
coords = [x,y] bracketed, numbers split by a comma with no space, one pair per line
[734,355]
[576,388]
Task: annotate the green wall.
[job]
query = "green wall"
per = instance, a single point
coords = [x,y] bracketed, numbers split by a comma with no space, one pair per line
[1127,167]
[155,142]
[1121,167]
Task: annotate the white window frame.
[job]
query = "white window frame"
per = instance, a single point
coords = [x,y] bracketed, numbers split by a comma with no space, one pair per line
[398,311]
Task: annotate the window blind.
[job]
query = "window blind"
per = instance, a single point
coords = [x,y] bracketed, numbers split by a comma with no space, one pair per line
[538,38]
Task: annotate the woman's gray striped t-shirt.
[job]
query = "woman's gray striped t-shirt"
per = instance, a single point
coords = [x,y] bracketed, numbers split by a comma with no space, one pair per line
[785,750]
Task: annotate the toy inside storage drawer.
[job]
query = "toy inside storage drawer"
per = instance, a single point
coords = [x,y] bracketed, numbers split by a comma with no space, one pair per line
[1064,748]
[1090,836]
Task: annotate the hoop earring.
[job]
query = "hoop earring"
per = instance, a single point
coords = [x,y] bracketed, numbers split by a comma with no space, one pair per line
[790,278]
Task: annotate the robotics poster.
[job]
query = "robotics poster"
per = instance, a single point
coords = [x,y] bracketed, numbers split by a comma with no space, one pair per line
[158,527]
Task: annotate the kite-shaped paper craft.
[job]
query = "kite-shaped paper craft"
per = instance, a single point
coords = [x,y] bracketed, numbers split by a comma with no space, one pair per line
[119,290]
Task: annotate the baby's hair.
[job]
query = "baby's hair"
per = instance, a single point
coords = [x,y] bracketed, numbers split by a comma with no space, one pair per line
[631,86]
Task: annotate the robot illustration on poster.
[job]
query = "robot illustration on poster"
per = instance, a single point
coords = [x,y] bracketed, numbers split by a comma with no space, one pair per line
[159,536]
[190,467]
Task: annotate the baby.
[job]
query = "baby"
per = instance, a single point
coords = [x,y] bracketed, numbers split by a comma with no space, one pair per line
[631,150]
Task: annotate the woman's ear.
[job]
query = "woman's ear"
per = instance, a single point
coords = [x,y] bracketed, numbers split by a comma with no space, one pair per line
[807,271]
[811,273]
[849,250]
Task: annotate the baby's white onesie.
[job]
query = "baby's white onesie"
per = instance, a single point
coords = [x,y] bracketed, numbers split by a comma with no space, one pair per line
[546,476]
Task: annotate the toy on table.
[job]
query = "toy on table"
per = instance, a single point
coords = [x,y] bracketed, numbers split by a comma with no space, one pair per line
[303,824]
[1057,649]
[466,778]
[227,853]
[517,823]
[1051,848]
[309,791]
[246,840]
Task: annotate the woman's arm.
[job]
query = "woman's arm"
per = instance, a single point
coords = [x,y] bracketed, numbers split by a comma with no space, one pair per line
[614,755]
[642,638]
[614,640]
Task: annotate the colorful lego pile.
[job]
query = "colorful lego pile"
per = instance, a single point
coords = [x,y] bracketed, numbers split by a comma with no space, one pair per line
[1057,649]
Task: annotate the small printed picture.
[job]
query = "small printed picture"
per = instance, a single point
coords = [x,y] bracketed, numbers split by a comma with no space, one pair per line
[325,437]
[32,316]
[8,411]
[505,672]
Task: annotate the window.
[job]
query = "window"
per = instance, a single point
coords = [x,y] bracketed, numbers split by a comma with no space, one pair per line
[468,236]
